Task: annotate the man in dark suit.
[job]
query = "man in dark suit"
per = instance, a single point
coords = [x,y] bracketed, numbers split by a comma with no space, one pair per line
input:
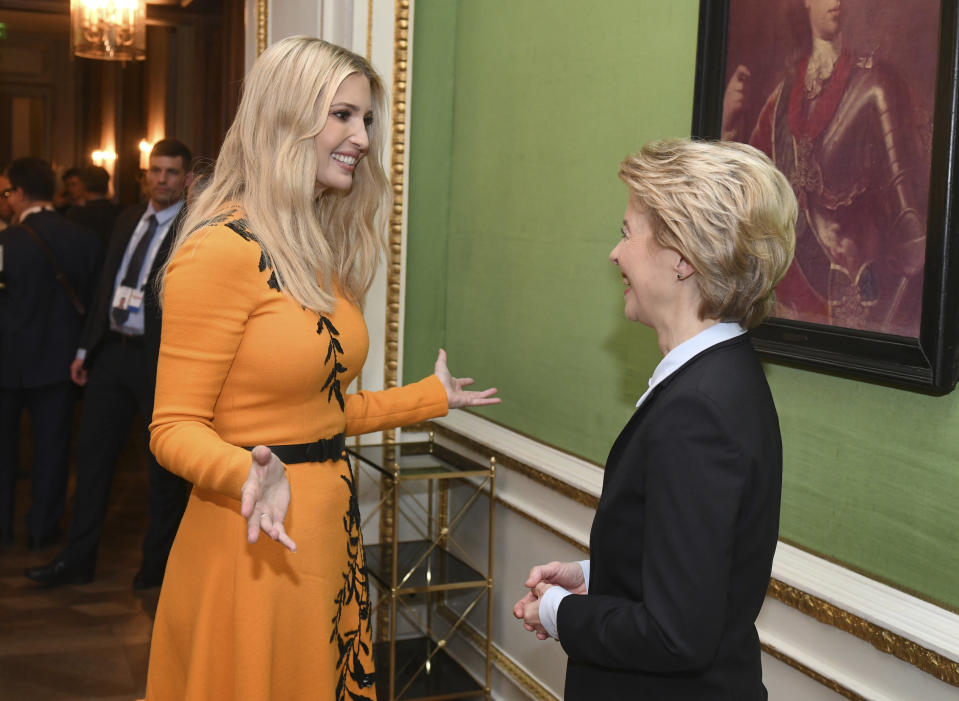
[39,328]
[97,213]
[117,367]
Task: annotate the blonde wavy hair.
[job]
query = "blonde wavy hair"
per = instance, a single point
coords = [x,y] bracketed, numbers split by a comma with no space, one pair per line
[728,211]
[267,168]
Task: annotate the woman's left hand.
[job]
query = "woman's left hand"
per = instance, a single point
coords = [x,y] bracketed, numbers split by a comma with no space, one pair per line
[265,497]
[455,394]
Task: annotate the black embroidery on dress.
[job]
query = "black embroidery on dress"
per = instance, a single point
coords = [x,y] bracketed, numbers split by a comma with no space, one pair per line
[332,351]
[241,227]
[352,645]
[272,282]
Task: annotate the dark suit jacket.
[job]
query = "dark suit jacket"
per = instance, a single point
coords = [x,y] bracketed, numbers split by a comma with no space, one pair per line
[98,320]
[99,216]
[39,327]
[682,542]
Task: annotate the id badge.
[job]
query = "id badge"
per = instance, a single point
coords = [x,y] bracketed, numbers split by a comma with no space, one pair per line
[121,298]
[135,300]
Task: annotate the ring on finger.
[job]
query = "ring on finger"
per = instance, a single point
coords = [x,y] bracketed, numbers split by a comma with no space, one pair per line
[262,516]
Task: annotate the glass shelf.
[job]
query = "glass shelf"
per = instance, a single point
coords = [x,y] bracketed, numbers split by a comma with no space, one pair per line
[438,486]
[420,460]
[446,679]
[439,571]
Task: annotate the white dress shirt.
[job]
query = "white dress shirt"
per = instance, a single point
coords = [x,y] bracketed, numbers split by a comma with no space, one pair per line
[671,362]
[42,207]
[134,323]
[133,326]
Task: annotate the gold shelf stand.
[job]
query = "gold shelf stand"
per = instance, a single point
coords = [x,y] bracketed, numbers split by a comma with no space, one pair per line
[426,570]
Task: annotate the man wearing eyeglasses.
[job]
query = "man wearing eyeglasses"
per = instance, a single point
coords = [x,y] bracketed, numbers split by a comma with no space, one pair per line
[116,362]
[50,268]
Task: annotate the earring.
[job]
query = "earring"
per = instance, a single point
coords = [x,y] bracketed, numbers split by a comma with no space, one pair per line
[679,277]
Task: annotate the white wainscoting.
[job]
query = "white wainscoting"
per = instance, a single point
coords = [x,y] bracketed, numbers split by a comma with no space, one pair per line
[840,657]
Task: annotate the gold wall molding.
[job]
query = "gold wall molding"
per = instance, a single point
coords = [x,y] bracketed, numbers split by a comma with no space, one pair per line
[369,31]
[545,526]
[394,261]
[557,485]
[537,691]
[500,659]
[799,666]
[394,267]
[928,661]
[262,25]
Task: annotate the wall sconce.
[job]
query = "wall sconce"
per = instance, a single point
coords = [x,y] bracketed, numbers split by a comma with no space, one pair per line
[104,159]
[110,30]
[145,148]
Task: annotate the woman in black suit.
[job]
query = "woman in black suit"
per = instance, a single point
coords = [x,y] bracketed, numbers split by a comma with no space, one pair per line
[682,543]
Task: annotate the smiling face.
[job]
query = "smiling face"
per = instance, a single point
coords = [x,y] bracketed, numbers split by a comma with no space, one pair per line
[345,137]
[825,18]
[649,269]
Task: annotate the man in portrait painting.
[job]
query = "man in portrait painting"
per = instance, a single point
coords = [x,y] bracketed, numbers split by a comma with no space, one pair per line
[841,124]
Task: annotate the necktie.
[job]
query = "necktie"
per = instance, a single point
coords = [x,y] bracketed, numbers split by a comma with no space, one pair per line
[131,277]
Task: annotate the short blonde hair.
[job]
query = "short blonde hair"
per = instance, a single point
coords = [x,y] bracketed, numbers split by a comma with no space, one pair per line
[728,211]
[267,166]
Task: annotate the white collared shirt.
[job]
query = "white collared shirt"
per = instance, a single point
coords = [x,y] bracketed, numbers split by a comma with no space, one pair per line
[671,362]
[42,207]
[134,323]
[681,354]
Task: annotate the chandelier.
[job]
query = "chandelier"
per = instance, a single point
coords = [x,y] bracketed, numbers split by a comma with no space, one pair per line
[111,30]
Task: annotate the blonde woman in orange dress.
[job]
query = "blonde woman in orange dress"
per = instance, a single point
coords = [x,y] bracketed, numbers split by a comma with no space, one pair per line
[262,334]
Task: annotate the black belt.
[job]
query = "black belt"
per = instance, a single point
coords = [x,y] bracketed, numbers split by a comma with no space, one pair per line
[319,451]
[125,339]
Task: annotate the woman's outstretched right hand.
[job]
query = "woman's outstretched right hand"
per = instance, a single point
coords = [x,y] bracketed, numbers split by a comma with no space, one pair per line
[265,497]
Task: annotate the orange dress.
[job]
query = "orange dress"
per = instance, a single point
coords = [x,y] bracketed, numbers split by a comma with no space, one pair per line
[242,364]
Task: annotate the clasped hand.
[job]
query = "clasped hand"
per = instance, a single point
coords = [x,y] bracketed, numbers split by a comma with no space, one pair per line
[568,575]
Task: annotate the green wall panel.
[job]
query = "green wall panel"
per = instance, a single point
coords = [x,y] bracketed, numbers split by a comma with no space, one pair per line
[871,478]
[521,111]
[546,101]
[431,134]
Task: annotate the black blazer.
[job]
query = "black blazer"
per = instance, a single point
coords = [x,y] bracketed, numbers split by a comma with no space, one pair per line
[99,216]
[39,327]
[682,543]
[98,320]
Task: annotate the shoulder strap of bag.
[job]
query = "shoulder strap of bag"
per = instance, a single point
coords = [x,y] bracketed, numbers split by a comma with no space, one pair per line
[61,278]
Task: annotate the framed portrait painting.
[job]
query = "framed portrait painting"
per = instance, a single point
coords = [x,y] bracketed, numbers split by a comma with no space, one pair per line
[855,101]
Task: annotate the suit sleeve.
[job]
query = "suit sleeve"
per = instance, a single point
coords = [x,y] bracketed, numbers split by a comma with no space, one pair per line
[695,480]
[212,287]
[399,406]
[99,310]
